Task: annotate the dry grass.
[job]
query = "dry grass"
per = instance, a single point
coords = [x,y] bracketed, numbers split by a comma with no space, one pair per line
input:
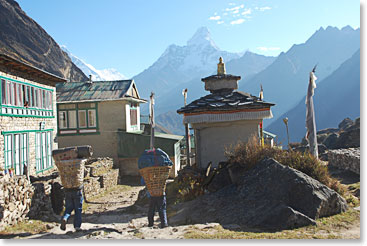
[334,227]
[249,154]
[27,226]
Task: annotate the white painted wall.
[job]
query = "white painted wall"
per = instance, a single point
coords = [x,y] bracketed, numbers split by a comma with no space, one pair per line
[213,139]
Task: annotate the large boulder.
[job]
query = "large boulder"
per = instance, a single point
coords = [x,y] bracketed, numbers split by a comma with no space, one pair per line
[270,196]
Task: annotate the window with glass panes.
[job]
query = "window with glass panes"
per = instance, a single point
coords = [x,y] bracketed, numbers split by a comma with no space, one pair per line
[16,153]
[76,118]
[23,99]
[43,150]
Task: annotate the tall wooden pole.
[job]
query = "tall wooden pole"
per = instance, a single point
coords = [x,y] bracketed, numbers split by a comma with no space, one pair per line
[188,142]
[151,119]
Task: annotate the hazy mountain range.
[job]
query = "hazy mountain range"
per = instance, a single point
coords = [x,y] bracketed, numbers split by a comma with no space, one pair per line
[336,97]
[285,81]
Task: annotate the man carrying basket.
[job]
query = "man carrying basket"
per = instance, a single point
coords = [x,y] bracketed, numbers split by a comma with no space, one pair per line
[154,166]
[70,163]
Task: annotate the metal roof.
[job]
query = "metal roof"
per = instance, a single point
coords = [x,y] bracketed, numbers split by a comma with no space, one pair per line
[224,101]
[95,91]
[22,69]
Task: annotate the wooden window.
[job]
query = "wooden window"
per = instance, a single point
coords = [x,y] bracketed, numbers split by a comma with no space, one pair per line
[8,151]
[92,118]
[43,150]
[133,114]
[33,101]
[72,119]
[3,91]
[82,118]
[63,120]
[16,152]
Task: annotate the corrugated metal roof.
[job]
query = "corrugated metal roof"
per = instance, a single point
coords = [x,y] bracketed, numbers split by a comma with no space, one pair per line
[224,101]
[96,90]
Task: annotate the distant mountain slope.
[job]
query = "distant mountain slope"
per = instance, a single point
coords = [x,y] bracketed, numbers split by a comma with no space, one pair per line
[246,66]
[285,80]
[336,97]
[179,64]
[22,38]
[97,75]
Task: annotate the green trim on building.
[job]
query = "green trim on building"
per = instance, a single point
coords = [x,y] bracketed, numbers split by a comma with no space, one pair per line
[26,83]
[77,109]
[24,131]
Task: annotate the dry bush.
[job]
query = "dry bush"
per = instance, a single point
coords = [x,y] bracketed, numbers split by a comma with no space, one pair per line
[249,154]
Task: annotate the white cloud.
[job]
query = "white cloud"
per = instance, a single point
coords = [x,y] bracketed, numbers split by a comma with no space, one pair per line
[268,48]
[220,22]
[231,4]
[246,12]
[225,13]
[264,8]
[235,8]
[237,22]
[236,11]
[217,17]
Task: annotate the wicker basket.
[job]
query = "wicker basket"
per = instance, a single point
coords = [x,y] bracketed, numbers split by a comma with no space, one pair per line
[155,179]
[71,172]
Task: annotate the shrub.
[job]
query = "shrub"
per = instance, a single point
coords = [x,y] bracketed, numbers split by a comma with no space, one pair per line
[249,154]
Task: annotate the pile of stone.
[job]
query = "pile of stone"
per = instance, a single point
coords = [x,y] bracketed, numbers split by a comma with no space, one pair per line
[270,196]
[99,175]
[48,198]
[347,135]
[15,199]
[346,159]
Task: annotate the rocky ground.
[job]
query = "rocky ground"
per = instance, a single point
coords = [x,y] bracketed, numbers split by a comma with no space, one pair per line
[113,215]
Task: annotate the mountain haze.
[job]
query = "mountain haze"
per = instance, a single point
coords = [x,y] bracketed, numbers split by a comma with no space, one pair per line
[22,38]
[336,97]
[285,81]
[179,64]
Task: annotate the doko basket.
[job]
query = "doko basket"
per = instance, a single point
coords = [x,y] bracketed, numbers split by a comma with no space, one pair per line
[155,179]
[71,172]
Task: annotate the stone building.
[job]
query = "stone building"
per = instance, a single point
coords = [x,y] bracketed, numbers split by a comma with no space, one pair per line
[223,117]
[28,125]
[106,115]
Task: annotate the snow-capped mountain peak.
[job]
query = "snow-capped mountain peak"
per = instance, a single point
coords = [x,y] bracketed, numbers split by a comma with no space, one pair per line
[107,74]
[202,37]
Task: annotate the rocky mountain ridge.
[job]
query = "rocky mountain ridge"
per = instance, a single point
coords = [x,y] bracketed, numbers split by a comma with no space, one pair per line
[22,38]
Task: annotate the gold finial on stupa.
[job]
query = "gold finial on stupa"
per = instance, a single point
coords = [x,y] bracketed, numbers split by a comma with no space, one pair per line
[221,67]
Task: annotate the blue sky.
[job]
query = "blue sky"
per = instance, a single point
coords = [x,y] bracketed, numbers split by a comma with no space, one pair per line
[130,35]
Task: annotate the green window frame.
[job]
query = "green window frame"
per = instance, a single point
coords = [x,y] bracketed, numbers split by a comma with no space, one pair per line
[16,152]
[77,118]
[22,99]
[43,148]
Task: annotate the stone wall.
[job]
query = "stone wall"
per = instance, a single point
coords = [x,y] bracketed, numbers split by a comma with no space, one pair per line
[15,199]
[99,176]
[347,159]
[43,196]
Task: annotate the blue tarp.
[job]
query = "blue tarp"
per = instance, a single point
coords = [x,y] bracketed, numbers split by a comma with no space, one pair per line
[156,157]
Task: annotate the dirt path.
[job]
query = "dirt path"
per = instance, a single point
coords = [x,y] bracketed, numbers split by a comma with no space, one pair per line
[114,216]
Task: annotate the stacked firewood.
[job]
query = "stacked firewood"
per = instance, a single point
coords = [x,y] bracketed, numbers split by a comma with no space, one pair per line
[15,199]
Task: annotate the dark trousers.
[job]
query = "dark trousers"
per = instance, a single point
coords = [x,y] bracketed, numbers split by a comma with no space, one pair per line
[157,204]
[73,201]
